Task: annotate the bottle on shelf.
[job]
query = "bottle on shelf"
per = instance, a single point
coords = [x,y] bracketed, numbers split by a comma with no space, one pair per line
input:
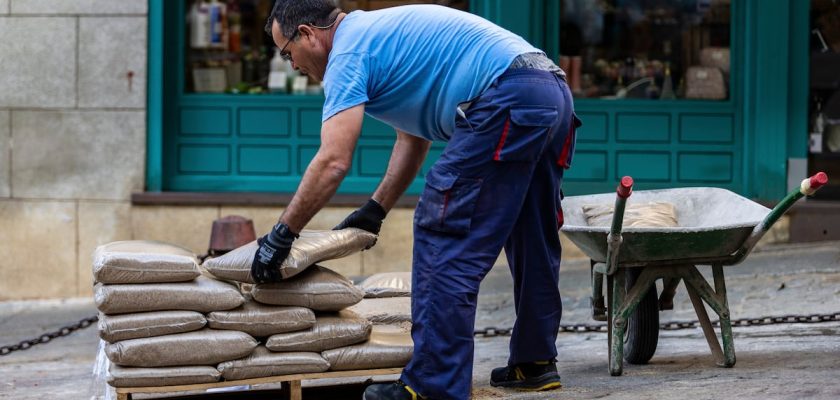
[815,144]
[667,85]
[218,25]
[234,27]
[199,20]
[278,75]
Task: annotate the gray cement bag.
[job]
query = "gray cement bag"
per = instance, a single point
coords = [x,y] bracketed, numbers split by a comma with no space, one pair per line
[202,295]
[329,332]
[113,328]
[391,310]
[388,347]
[204,347]
[261,320]
[143,261]
[310,248]
[318,288]
[655,214]
[387,284]
[264,363]
[139,377]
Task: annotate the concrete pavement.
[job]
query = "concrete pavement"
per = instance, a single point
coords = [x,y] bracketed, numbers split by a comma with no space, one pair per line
[777,361]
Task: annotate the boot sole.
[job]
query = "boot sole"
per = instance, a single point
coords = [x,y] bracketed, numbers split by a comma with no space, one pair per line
[538,384]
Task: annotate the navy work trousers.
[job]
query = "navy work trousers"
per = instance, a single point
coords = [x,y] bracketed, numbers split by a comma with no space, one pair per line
[497,184]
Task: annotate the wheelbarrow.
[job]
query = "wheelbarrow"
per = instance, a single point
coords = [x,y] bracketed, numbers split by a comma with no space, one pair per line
[717,228]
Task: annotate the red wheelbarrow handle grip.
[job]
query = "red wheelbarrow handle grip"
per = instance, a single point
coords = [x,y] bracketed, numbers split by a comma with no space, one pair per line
[625,187]
[818,180]
[810,185]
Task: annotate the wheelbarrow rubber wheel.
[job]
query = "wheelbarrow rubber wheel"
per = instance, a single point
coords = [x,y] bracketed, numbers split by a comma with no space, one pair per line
[643,326]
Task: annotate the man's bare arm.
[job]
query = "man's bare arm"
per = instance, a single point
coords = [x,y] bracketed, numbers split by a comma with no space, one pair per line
[339,135]
[406,159]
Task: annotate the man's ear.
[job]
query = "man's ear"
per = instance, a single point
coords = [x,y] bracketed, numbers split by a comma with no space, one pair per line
[306,30]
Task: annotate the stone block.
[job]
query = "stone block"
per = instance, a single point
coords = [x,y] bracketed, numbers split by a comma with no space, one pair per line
[5,155]
[71,7]
[185,226]
[39,62]
[37,249]
[78,154]
[393,250]
[4,7]
[112,69]
[99,223]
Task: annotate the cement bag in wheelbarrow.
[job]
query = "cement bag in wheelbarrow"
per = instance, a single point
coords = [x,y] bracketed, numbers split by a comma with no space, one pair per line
[388,347]
[387,284]
[656,214]
[310,248]
[318,288]
[384,311]
[143,261]
[202,295]
[330,331]
[262,320]
[263,363]
[169,376]
[113,328]
[204,347]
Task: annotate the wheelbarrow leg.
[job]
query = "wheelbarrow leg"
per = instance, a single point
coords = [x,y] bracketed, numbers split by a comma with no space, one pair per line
[725,318]
[698,287]
[599,309]
[618,323]
[669,290]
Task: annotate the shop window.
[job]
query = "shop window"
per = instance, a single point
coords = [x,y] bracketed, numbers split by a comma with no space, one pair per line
[824,107]
[646,49]
[228,51]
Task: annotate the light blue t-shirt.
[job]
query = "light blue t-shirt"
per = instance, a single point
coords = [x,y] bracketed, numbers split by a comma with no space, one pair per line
[413,65]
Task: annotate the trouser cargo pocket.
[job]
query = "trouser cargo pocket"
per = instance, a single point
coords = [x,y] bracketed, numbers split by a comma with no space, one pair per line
[447,202]
[525,133]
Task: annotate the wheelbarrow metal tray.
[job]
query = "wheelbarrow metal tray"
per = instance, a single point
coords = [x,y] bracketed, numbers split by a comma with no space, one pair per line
[713,223]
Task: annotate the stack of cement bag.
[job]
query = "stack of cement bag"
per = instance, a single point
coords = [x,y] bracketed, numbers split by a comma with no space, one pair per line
[387,299]
[168,324]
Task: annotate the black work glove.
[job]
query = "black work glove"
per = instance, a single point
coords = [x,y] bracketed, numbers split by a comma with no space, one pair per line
[368,217]
[273,250]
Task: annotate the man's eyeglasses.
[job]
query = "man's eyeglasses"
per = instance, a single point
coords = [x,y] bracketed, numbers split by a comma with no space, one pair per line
[283,54]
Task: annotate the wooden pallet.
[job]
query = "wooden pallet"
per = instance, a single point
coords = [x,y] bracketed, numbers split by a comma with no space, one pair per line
[293,381]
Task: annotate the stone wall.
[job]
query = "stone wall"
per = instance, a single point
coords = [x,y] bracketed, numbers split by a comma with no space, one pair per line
[72,138]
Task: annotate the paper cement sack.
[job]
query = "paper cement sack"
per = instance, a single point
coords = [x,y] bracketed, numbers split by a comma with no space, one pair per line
[113,328]
[143,261]
[390,310]
[169,376]
[310,248]
[656,214]
[263,363]
[204,347]
[203,295]
[318,288]
[330,331]
[388,347]
[387,284]
[261,320]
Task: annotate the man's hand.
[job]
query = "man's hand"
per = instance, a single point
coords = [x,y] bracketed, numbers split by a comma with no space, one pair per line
[368,217]
[273,250]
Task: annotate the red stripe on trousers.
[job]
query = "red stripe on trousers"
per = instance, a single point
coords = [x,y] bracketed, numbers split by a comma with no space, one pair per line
[502,140]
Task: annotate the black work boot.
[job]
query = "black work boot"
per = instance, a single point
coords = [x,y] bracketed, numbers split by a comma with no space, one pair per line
[536,376]
[391,391]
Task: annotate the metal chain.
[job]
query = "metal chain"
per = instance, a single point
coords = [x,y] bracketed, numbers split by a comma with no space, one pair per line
[47,337]
[673,326]
[490,331]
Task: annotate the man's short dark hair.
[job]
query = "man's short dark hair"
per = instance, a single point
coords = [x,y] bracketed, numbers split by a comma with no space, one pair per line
[292,13]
